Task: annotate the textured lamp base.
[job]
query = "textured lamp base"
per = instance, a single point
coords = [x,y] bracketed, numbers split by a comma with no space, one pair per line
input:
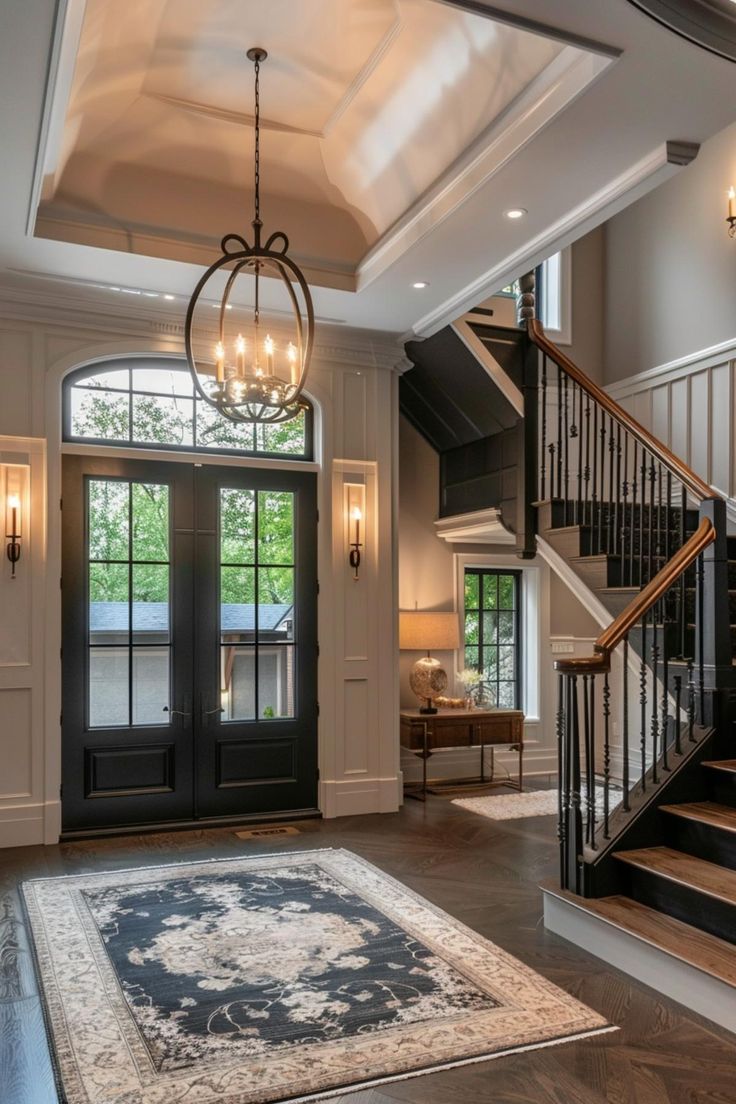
[428,680]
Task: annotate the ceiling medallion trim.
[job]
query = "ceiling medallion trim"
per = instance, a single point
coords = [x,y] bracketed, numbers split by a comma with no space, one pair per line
[710,24]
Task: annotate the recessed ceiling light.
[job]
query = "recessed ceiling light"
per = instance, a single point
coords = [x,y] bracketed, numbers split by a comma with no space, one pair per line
[515,212]
[419,284]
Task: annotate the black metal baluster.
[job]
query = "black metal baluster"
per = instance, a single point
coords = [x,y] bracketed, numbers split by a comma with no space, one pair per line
[665,701]
[690,701]
[566,458]
[700,576]
[575,827]
[617,547]
[642,514]
[626,528]
[543,473]
[643,704]
[586,474]
[626,804]
[559,433]
[650,477]
[591,766]
[606,755]
[682,611]
[594,478]
[655,700]
[586,746]
[678,713]
[632,580]
[602,501]
[579,515]
[611,513]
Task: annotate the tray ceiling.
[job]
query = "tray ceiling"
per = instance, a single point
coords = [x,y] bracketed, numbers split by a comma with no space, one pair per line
[367,105]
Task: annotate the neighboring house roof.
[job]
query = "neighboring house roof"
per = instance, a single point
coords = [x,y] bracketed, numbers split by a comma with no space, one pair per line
[154,617]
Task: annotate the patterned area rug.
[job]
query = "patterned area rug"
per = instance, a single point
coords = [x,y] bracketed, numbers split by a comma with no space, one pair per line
[533,803]
[287,977]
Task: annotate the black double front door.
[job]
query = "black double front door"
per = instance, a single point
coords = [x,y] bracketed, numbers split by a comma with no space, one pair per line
[189,642]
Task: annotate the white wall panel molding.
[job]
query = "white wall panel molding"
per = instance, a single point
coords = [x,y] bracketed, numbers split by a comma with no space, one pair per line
[690,404]
[26,813]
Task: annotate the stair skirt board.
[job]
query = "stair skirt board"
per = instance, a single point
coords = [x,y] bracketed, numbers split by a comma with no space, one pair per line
[696,990]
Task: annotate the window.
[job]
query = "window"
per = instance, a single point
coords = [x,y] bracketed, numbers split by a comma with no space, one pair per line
[150,403]
[492,636]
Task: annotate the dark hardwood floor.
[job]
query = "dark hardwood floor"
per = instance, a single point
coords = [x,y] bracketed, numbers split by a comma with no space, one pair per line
[485,873]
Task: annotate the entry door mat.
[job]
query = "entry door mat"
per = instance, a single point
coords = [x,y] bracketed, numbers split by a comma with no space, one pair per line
[533,803]
[282,977]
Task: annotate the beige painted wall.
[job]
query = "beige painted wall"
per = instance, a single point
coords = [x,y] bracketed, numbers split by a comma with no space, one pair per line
[588,268]
[670,282]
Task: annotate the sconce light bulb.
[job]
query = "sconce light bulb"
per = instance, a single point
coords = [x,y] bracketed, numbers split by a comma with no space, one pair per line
[732,192]
[357,513]
[13,502]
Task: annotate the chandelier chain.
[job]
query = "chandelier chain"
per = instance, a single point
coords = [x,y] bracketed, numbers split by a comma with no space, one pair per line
[257,65]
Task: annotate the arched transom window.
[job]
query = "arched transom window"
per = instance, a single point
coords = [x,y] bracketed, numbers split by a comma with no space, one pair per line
[151,403]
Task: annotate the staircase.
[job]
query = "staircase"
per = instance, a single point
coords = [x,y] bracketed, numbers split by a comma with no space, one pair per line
[648,881]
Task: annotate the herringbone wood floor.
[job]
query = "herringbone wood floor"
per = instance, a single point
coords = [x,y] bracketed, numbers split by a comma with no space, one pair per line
[484,872]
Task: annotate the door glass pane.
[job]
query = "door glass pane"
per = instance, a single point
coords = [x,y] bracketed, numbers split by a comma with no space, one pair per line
[238,687]
[150,521]
[275,683]
[275,527]
[237,526]
[150,611]
[119,618]
[257,614]
[150,685]
[108,687]
[109,503]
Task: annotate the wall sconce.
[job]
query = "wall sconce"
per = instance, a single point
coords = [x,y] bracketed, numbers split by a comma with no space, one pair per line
[356,516]
[13,531]
[354,512]
[731,217]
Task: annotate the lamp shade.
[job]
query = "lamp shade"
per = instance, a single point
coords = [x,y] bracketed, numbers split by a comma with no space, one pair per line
[427,632]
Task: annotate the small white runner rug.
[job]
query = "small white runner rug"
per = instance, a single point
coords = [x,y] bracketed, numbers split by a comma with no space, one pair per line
[531,804]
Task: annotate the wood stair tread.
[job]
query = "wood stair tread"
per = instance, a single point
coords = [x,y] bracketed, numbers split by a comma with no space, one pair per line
[697,948]
[706,812]
[686,870]
[728,765]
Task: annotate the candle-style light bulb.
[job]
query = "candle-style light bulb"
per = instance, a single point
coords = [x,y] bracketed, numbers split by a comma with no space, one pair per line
[14,502]
[268,346]
[240,354]
[732,202]
[220,361]
[357,513]
[291,357]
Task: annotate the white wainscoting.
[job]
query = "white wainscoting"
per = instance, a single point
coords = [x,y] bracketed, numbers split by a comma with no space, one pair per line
[690,405]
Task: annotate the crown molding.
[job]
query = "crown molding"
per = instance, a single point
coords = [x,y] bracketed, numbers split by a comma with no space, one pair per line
[335,346]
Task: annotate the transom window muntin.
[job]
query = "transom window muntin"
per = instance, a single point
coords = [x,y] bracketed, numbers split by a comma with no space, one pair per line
[150,403]
[492,632]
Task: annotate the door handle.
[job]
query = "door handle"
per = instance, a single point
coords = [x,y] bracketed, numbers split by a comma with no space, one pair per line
[176,712]
[205,713]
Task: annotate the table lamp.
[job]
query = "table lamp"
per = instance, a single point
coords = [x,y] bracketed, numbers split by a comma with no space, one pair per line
[427,632]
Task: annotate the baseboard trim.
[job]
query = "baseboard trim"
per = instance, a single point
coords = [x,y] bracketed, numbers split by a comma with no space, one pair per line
[679,981]
[358,796]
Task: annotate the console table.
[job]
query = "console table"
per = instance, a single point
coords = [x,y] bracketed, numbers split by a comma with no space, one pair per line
[425,733]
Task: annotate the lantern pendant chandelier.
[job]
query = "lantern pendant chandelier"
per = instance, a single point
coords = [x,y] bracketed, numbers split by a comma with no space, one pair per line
[246,376]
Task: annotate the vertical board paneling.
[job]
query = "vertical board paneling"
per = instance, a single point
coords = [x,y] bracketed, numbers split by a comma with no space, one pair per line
[720,428]
[679,418]
[355,725]
[699,427]
[15,742]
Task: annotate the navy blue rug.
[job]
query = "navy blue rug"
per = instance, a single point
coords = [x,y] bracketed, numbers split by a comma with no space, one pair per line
[257,980]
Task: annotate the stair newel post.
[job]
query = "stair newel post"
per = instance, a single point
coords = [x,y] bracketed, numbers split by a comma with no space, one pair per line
[715,668]
[574,827]
[563,788]
[625,681]
[590,763]
[531,444]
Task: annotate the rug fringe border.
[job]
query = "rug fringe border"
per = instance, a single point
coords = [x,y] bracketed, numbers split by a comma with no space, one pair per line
[359,1086]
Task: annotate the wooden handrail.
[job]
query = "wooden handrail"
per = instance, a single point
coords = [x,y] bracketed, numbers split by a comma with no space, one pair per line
[695,485]
[647,597]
